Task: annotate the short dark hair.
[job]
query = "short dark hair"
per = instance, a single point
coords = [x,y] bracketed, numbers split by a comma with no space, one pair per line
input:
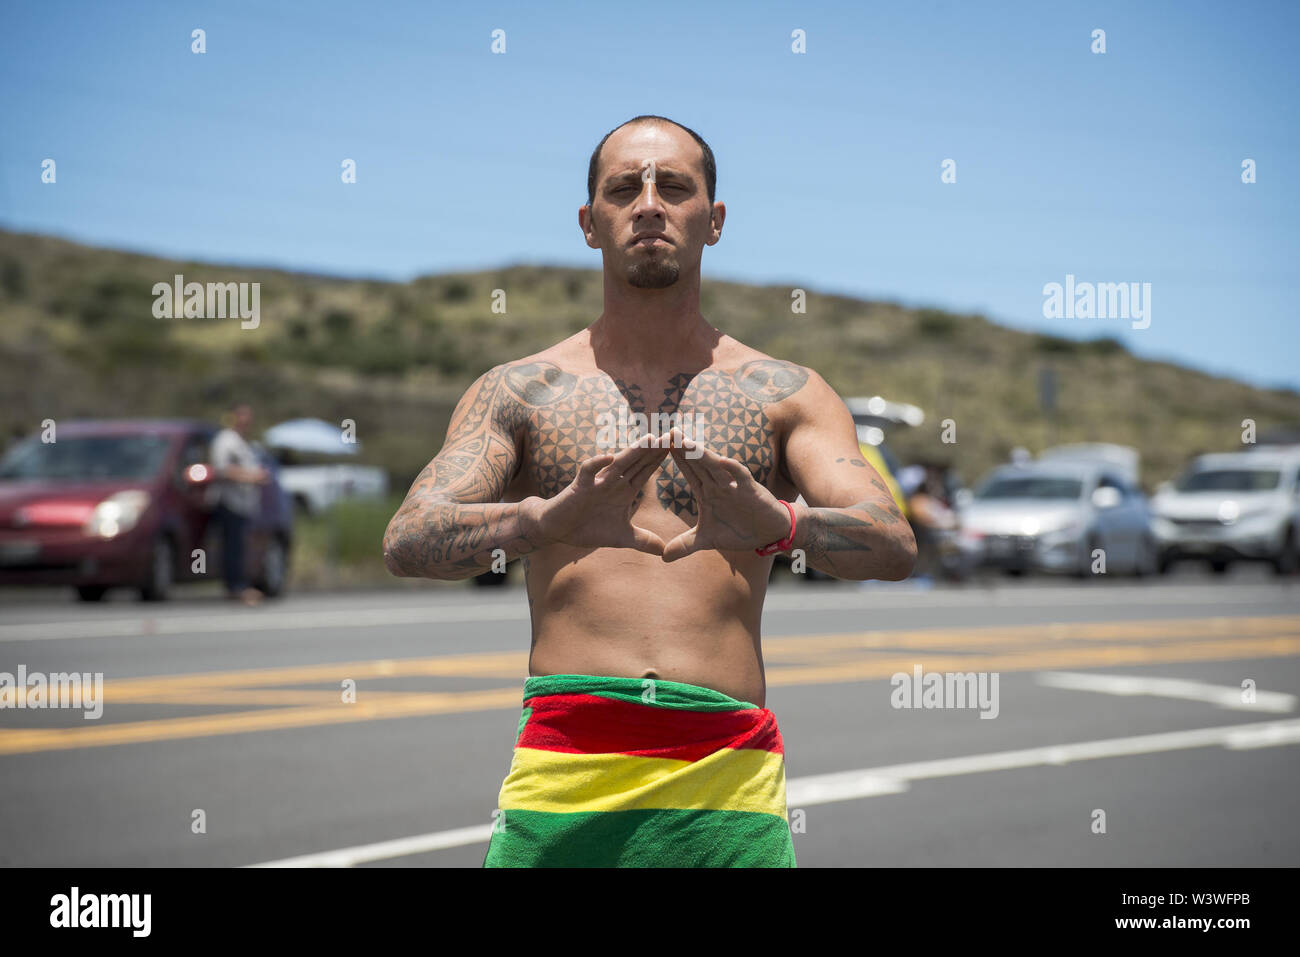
[710,165]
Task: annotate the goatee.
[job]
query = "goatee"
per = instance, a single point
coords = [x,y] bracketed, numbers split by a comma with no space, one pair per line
[653,273]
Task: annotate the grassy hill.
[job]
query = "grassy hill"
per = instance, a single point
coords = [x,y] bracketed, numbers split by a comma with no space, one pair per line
[78,338]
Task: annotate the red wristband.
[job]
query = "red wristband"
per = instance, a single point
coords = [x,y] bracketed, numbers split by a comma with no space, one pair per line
[785,542]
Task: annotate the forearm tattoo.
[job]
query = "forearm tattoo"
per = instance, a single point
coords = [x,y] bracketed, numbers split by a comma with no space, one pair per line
[448,526]
[836,539]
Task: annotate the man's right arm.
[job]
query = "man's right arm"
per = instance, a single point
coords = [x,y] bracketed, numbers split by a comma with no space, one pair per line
[452,519]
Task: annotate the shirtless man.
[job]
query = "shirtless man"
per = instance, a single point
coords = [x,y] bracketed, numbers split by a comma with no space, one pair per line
[642,562]
[640,557]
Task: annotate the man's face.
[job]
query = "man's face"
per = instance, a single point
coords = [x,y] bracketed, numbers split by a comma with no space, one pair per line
[651,217]
[243,419]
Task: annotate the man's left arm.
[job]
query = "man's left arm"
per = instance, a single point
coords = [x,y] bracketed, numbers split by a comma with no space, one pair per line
[851,527]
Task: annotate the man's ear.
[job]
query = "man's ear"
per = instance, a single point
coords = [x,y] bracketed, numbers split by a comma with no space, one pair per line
[716,218]
[589,230]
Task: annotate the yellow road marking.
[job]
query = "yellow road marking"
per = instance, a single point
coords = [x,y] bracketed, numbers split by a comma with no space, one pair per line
[995,637]
[1102,657]
[133,732]
[792,660]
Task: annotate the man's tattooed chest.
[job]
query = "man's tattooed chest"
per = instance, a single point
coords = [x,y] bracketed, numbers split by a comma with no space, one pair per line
[567,418]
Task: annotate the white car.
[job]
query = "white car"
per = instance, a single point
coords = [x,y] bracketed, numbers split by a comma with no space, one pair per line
[1232,506]
[1054,515]
[314,488]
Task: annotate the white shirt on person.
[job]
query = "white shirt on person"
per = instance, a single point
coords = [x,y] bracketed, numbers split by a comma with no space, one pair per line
[229,448]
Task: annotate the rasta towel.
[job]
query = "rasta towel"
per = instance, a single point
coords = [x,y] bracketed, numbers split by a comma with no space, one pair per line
[631,772]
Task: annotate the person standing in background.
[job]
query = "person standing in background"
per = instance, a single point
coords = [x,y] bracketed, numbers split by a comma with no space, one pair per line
[236,496]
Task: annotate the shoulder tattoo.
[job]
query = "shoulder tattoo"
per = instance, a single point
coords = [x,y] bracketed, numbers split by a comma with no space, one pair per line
[770,380]
[539,383]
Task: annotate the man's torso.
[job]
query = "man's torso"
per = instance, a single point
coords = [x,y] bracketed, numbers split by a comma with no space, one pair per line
[230,448]
[615,611]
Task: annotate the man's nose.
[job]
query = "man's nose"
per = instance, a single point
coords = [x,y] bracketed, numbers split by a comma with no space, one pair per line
[648,203]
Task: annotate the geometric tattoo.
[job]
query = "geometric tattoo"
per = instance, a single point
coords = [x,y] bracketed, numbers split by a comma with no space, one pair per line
[562,416]
[539,418]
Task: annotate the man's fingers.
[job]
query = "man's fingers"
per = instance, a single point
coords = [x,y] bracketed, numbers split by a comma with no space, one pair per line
[621,459]
[625,460]
[641,470]
[702,459]
[716,467]
[682,545]
[689,466]
[634,463]
[655,451]
[644,449]
[697,475]
[737,471]
[647,541]
[588,469]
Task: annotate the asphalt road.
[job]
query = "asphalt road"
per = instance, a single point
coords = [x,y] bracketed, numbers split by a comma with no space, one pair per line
[1116,703]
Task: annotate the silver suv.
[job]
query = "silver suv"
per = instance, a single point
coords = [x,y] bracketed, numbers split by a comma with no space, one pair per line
[1232,506]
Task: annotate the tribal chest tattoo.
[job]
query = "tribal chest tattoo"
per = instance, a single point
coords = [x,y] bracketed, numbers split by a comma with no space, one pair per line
[566,418]
[526,427]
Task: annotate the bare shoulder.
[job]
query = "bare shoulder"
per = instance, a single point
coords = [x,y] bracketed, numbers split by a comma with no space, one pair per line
[506,391]
[792,395]
[771,380]
[542,378]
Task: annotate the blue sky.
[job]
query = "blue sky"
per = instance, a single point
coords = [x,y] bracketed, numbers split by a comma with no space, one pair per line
[1115,167]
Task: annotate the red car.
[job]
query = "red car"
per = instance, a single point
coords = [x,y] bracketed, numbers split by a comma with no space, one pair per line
[124,503]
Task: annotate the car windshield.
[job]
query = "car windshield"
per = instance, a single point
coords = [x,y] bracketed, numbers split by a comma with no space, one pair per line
[86,458]
[1031,486]
[1229,480]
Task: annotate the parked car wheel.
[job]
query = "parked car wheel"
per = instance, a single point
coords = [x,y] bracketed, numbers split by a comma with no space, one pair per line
[162,563]
[92,592]
[1148,561]
[275,568]
[1220,566]
[1288,559]
[1084,568]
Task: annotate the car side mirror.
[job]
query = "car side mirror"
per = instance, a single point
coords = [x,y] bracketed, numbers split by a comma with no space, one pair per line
[1106,497]
[963,497]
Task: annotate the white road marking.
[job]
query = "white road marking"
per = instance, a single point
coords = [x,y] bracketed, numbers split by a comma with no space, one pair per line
[1224,696]
[1265,736]
[420,844]
[872,782]
[330,613]
[270,621]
